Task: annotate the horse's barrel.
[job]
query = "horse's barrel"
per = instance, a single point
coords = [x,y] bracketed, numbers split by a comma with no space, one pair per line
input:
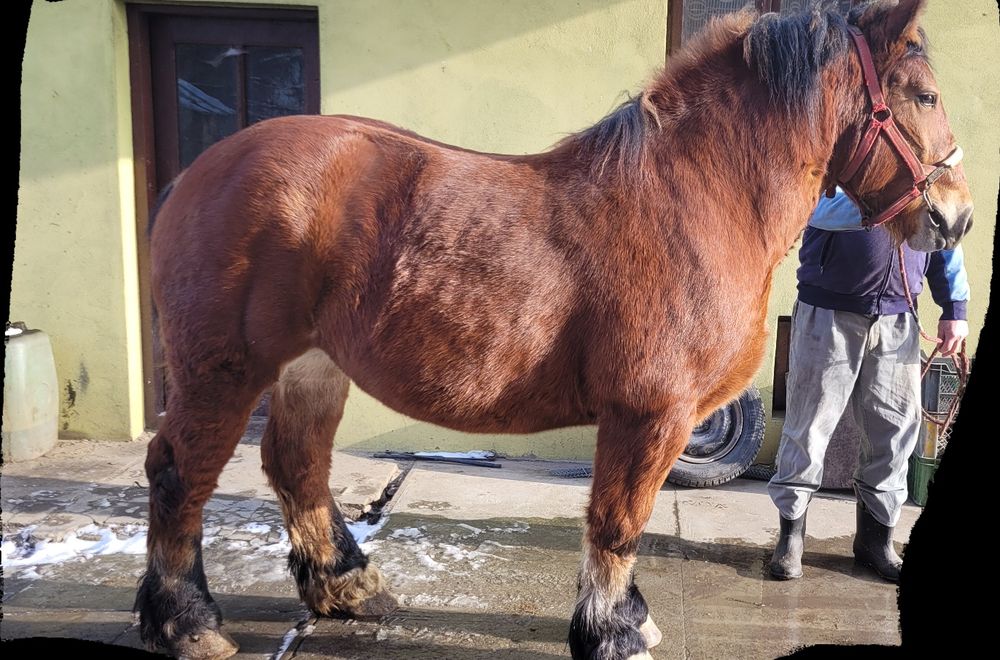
[30,394]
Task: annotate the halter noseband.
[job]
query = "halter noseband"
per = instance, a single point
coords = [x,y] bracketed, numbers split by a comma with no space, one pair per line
[881,121]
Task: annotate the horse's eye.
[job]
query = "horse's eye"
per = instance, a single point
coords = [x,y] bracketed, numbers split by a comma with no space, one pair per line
[927,100]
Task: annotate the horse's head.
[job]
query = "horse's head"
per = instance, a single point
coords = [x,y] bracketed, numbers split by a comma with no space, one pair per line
[922,196]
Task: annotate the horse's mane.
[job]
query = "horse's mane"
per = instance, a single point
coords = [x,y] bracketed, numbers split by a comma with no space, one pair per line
[618,139]
[786,52]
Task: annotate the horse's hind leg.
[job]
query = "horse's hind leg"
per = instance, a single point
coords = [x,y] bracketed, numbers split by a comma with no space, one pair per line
[206,415]
[634,455]
[334,577]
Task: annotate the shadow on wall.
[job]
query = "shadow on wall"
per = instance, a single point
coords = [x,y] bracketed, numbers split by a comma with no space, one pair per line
[400,40]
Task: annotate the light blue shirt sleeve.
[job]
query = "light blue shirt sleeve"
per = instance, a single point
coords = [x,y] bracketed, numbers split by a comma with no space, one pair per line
[953,262]
[837,213]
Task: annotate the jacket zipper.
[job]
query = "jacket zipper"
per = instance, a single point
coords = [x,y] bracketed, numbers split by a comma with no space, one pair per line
[825,252]
[885,284]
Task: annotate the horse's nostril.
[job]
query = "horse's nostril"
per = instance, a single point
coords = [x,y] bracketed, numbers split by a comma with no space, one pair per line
[964,221]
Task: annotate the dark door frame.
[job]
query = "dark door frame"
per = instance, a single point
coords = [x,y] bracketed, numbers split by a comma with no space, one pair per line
[152,166]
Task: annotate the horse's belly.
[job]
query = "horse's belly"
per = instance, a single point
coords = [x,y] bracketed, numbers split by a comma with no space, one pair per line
[469,402]
[485,370]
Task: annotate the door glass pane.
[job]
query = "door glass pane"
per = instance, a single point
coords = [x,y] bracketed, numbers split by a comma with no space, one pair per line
[275,83]
[697,13]
[207,96]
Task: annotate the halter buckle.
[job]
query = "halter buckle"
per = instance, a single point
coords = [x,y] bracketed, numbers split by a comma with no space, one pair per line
[881,113]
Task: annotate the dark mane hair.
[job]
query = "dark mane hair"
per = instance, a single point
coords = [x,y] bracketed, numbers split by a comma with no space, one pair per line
[788,52]
[618,139]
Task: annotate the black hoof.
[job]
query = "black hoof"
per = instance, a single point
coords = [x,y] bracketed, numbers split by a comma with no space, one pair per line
[614,634]
[182,617]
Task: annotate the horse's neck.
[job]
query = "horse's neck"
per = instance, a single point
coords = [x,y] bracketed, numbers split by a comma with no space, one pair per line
[762,171]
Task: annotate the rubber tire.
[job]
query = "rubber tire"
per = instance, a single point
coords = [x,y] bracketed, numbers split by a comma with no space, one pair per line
[739,458]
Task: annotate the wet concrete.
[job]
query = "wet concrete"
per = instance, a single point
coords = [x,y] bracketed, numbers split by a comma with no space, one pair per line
[484,563]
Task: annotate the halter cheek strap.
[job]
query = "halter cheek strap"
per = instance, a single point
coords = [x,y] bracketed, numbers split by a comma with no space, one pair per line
[882,122]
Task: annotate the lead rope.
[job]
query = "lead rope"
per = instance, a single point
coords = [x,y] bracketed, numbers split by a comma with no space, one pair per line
[960,359]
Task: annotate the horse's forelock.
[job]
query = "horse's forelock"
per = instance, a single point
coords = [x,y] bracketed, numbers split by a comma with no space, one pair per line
[788,53]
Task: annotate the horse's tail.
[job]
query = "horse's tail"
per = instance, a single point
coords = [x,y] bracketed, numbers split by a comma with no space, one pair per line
[160,199]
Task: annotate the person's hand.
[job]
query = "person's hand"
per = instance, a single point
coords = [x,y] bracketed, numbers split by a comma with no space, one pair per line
[951,334]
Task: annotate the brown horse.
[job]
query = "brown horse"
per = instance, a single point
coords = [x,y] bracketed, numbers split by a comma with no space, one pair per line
[620,278]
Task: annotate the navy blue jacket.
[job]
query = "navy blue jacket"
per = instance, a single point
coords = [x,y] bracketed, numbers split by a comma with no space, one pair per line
[854,270]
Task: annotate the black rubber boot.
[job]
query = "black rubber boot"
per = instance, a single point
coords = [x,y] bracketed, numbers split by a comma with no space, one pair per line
[873,546]
[786,564]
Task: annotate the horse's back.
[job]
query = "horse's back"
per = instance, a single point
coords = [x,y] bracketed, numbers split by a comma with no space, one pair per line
[427,272]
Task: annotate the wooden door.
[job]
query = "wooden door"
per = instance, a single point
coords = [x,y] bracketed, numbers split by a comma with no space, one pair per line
[199,74]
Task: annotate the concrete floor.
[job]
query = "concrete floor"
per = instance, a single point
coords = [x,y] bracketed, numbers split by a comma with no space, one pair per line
[483,560]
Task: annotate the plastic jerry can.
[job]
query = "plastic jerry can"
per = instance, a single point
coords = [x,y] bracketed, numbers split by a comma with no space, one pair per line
[30,394]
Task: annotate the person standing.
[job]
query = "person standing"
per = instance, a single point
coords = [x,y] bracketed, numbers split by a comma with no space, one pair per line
[854,341]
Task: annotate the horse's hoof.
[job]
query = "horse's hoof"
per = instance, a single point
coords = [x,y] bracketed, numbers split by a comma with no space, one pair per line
[206,645]
[650,632]
[377,606]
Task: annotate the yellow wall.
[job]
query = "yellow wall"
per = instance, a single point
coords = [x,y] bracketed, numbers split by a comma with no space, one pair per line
[511,76]
[74,270]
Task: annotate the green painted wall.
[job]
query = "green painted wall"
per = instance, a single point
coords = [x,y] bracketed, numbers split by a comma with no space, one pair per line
[512,76]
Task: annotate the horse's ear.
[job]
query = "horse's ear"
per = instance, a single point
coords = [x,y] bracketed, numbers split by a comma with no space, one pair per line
[891,24]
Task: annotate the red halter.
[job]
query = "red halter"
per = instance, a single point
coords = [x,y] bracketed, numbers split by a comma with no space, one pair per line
[923,176]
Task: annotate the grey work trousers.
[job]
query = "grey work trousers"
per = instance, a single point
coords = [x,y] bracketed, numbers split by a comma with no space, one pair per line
[839,358]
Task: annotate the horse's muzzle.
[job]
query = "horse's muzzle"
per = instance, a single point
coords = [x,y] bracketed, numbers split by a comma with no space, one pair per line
[953,232]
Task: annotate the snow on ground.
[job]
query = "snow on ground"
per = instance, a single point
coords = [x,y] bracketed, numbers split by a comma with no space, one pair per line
[256,528]
[24,550]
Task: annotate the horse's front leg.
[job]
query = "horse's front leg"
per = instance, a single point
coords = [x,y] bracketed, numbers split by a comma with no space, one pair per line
[634,455]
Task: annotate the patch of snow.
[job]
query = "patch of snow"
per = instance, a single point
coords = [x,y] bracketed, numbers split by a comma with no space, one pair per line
[466,601]
[430,563]
[24,550]
[256,528]
[30,574]
[518,528]
[406,532]
[362,531]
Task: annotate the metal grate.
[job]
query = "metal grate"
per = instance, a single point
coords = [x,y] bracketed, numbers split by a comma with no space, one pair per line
[938,390]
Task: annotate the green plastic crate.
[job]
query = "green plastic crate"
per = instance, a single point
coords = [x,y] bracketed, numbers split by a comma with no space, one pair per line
[919,477]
